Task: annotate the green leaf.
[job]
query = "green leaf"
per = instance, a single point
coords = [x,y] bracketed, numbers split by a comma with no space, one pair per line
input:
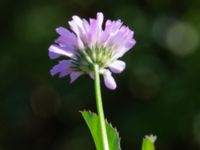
[93,123]
[148,142]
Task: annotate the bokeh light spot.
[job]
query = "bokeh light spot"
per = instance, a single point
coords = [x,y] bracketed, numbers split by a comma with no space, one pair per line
[182,38]
[160,27]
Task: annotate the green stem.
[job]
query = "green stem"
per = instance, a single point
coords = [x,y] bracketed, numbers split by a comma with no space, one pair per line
[100,107]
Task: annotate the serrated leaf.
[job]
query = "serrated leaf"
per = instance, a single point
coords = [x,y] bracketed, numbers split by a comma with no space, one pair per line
[148,142]
[93,123]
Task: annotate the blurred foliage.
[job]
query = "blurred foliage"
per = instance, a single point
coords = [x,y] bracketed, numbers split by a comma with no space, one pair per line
[159,92]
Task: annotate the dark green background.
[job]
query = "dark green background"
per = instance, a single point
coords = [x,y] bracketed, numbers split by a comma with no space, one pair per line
[158,93]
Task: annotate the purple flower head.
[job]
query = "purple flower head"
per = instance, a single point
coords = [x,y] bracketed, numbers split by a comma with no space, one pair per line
[87,44]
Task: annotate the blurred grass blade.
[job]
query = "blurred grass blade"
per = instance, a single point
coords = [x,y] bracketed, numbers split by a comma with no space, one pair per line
[93,123]
[148,142]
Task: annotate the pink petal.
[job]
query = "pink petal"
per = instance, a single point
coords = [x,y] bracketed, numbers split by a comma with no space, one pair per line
[86,25]
[80,44]
[130,44]
[63,67]
[91,75]
[53,55]
[74,27]
[77,20]
[74,76]
[77,26]
[66,40]
[61,51]
[117,66]
[65,33]
[65,72]
[111,28]
[109,81]
[124,48]
[94,35]
[66,37]
[100,19]
[120,38]
[80,25]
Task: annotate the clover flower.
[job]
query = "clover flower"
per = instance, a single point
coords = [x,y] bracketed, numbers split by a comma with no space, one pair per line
[87,44]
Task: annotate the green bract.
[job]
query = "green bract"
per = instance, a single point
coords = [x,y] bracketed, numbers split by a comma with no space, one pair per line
[87,58]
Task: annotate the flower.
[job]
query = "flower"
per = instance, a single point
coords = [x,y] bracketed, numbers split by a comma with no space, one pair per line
[87,44]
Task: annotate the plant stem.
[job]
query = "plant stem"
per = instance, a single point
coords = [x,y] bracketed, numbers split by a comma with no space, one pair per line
[100,107]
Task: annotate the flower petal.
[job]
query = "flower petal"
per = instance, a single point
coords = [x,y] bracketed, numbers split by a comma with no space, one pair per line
[86,25]
[111,28]
[100,18]
[60,51]
[130,44]
[63,67]
[80,44]
[66,37]
[94,34]
[117,66]
[53,55]
[91,75]
[74,76]
[109,81]
[64,32]
[63,40]
[76,26]
[123,49]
